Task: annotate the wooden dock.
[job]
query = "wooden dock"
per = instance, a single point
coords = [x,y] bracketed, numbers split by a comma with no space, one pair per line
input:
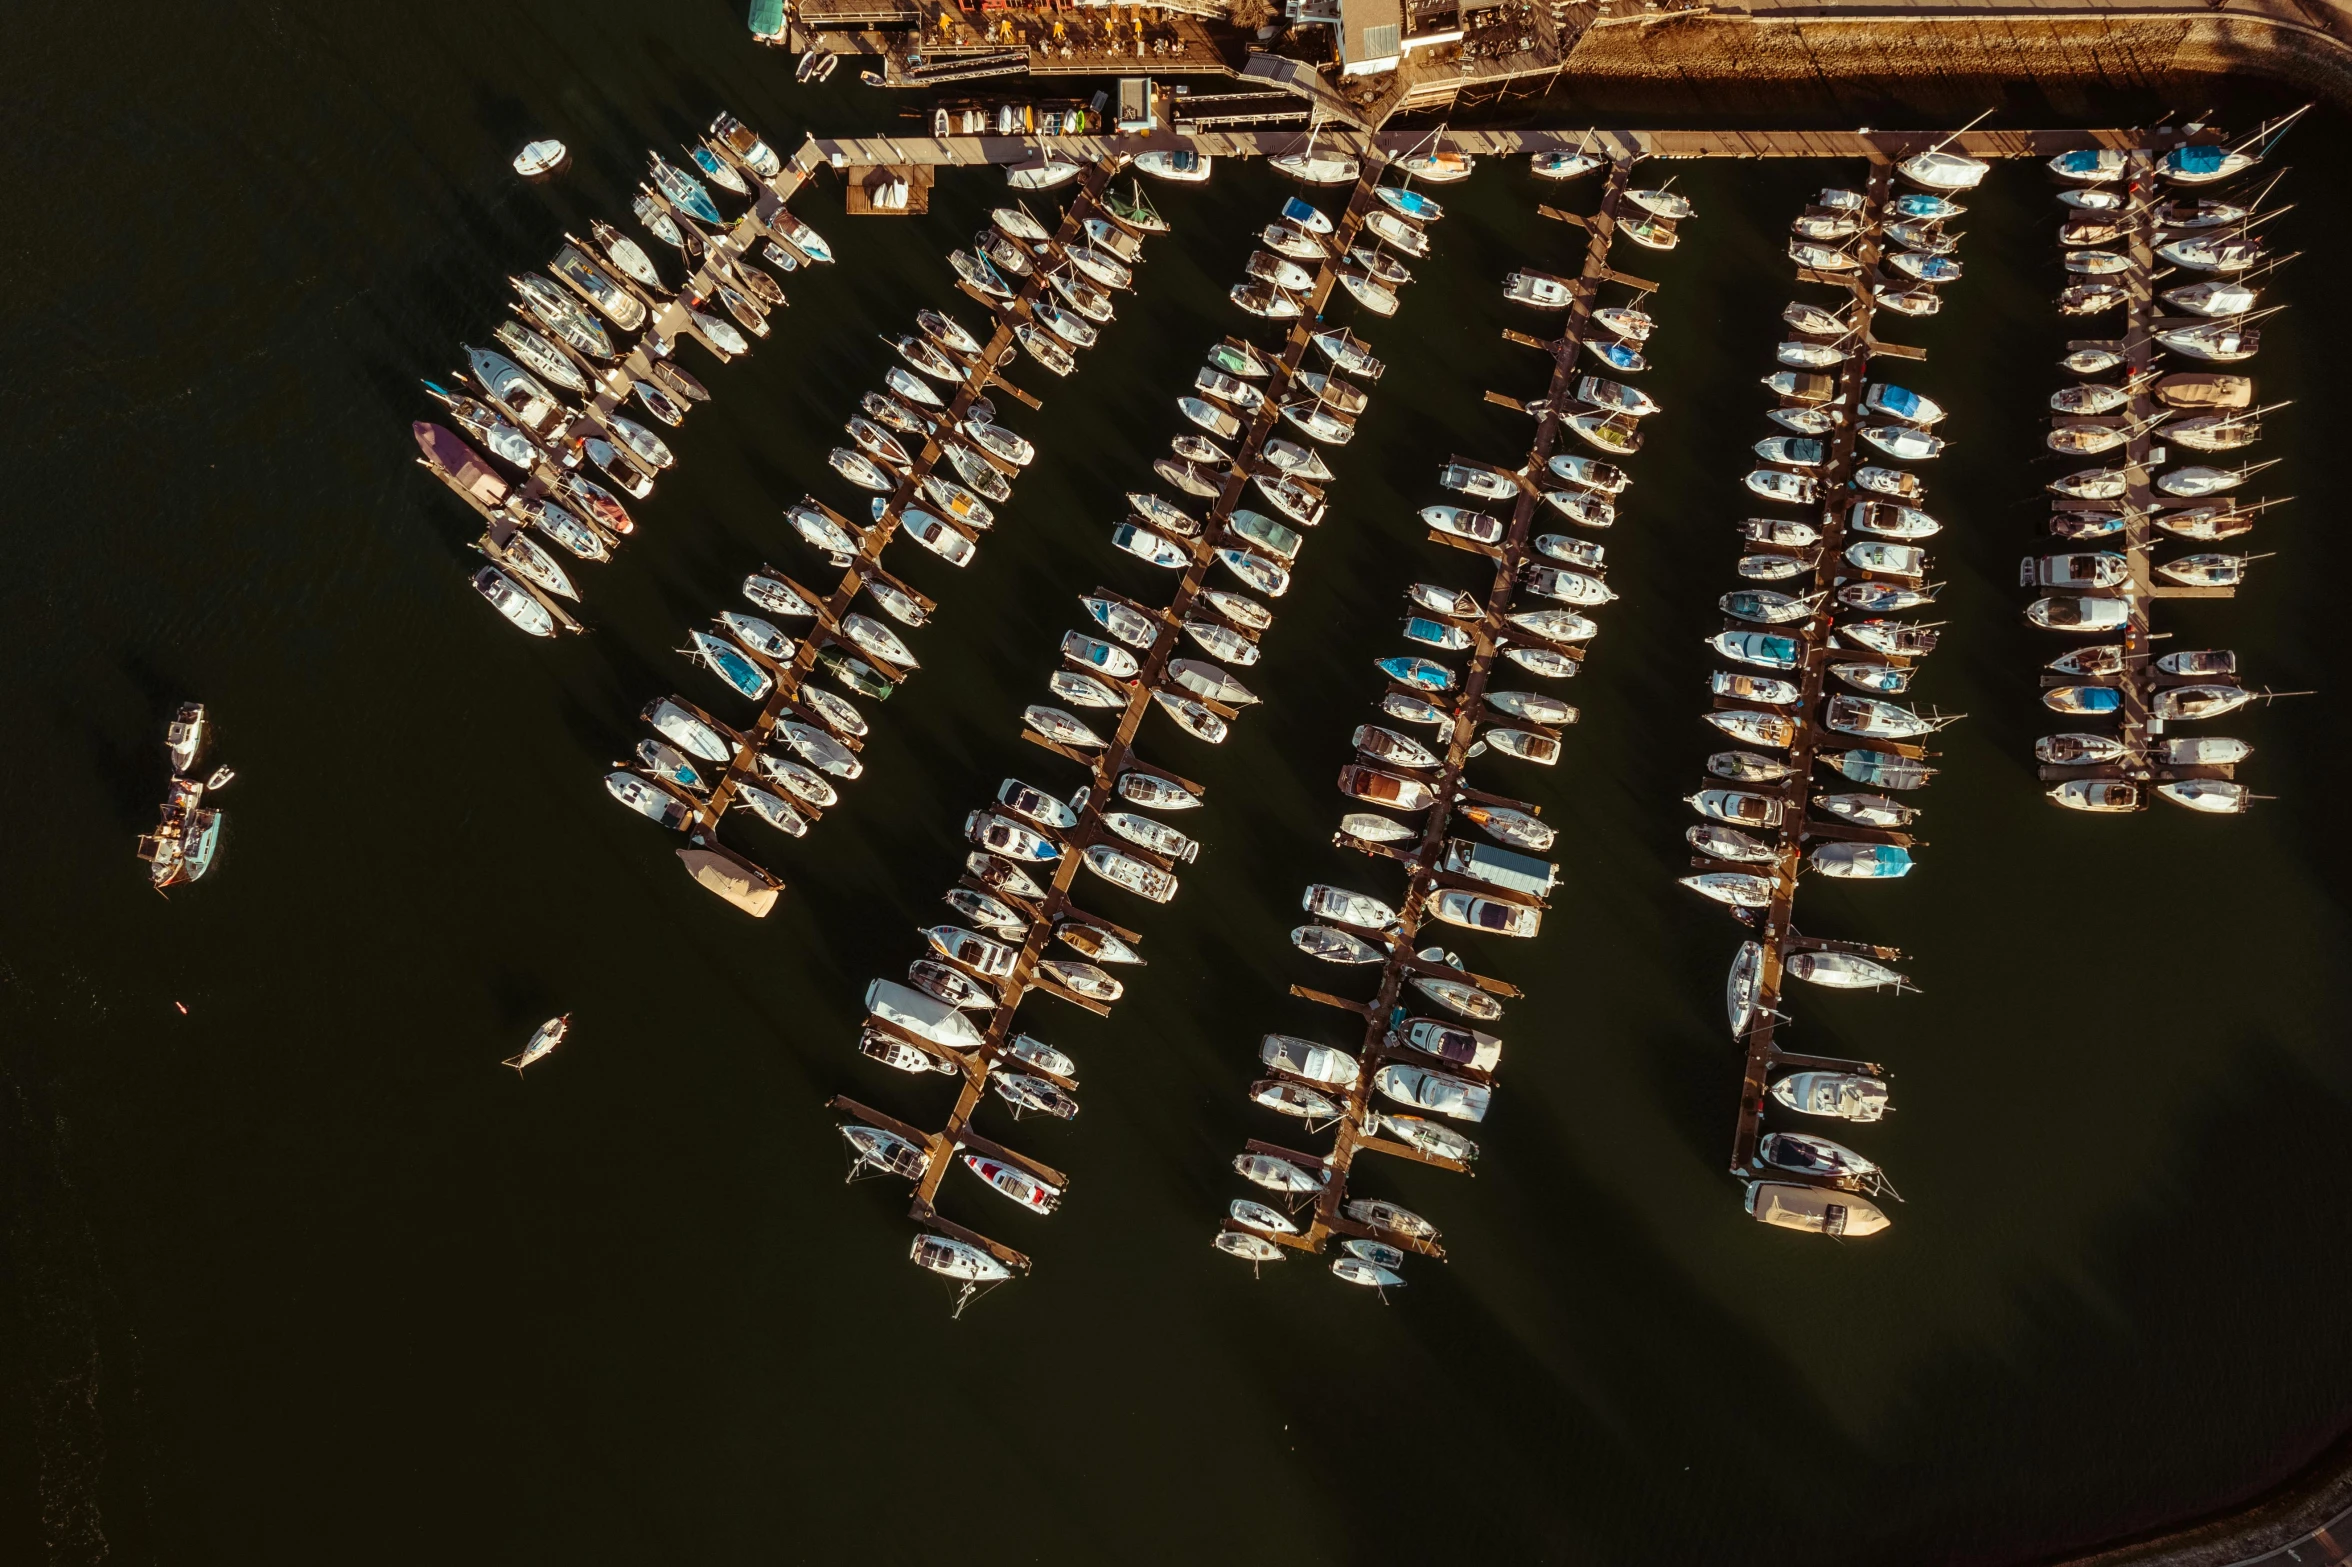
[1103,769]
[981,373]
[1356,1132]
[2139,682]
[1798,830]
[1247,142]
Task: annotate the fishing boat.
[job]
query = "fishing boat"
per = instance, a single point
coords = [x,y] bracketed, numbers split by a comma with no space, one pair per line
[1892,521]
[1813,1209]
[1477,526]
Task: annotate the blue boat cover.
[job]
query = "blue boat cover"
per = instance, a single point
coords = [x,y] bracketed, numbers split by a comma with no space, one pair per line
[767,18]
[2198,160]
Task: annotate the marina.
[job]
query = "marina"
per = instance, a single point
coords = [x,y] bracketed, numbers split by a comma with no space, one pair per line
[785,766]
[1806,673]
[2178,392]
[517,410]
[1442,1063]
[281,1211]
[956,1013]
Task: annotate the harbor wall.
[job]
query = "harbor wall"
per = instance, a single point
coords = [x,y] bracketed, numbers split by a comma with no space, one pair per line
[1710,62]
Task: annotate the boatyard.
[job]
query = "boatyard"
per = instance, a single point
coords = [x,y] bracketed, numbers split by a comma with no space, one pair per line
[1188,604]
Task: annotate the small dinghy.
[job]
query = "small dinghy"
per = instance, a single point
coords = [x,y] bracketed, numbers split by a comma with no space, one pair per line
[539,159]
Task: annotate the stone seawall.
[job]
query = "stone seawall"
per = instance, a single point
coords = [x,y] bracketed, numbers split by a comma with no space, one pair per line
[1715,63]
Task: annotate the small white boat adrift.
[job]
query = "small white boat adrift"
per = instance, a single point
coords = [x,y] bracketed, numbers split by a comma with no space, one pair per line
[1846,1096]
[1943,171]
[1814,1209]
[2212,796]
[543,1039]
[539,159]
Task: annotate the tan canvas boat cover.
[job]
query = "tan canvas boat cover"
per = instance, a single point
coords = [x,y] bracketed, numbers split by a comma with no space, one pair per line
[1817,1209]
[2206,389]
[732,879]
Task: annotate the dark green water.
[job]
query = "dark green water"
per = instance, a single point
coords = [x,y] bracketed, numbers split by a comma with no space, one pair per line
[303,1276]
